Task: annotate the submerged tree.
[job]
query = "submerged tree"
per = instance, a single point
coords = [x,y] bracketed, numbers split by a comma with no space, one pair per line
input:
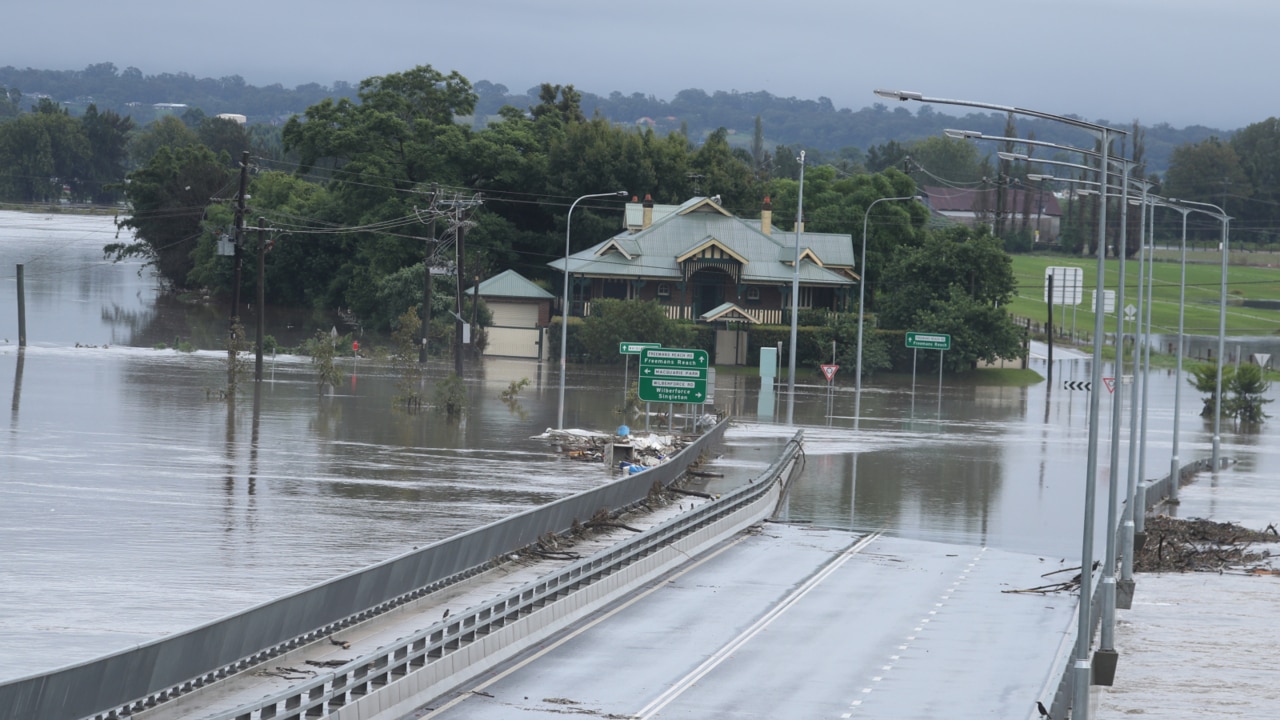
[1243,389]
[404,359]
[323,350]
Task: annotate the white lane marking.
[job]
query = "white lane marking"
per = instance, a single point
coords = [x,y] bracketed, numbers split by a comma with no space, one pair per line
[659,584]
[676,690]
[961,578]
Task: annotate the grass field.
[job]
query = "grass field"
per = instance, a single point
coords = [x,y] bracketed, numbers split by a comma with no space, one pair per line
[1204,273]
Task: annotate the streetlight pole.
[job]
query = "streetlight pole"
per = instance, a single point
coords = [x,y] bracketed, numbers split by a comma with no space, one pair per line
[795,300]
[1084,630]
[862,297]
[564,308]
[1222,328]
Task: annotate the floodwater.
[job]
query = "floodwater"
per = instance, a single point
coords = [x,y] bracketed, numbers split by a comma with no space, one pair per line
[135,503]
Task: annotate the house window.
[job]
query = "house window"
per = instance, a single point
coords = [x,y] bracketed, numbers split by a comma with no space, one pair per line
[753,293]
[664,290]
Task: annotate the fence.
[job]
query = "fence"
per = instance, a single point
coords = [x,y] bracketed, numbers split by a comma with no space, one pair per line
[133,680]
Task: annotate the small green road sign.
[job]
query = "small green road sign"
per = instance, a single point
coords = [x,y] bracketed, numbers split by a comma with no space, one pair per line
[634,348]
[928,341]
[673,357]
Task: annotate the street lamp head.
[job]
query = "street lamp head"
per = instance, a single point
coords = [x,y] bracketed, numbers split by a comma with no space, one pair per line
[963,134]
[1012,156]
[899,95]
[1036,177]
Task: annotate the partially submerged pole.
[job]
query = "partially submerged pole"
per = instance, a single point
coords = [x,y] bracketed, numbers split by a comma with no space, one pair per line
[22,307]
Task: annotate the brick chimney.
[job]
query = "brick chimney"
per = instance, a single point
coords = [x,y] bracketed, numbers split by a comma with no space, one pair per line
[648,211]
[766,216]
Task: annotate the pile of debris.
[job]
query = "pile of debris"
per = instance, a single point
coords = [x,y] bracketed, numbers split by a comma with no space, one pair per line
[1197,545]
[640,450]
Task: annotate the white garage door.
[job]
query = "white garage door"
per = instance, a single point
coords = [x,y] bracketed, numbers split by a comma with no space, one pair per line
[514,315]
[514,332]
[512,342]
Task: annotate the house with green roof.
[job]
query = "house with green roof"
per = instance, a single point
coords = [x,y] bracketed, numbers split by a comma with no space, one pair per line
[701,262]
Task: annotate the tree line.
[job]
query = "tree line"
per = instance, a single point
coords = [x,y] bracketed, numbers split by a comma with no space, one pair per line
[347,187]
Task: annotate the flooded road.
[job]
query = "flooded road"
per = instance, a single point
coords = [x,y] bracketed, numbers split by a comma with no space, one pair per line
[134,504]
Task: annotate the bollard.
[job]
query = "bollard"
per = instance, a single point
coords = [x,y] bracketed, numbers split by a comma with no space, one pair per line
[22,308]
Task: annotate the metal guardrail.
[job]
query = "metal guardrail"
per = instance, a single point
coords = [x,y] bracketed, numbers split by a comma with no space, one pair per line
[454,648]
[1150,494]
[133,680]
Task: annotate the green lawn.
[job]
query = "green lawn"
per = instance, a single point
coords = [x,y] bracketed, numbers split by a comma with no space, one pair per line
[1203,288]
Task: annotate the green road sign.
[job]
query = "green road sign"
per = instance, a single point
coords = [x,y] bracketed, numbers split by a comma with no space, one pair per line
[670,390]
[630,348]
[928,341]
[673,357]
[673,375]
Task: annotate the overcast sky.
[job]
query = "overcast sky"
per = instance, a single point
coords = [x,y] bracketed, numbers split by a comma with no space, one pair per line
[1184,62]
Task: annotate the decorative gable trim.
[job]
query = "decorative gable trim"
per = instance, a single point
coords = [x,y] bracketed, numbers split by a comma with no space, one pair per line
[728,312]
[805,254]
[614,246]
[711,249]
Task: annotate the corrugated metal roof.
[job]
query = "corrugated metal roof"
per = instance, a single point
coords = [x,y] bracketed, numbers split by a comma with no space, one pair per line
[661,243]
[511,284]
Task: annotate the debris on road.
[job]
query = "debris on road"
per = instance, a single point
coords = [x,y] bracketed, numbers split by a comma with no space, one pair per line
[1198,545]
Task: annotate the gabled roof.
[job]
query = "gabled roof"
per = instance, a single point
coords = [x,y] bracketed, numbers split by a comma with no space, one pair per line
[709,242]
[728,312]
[510,284]
[656,252]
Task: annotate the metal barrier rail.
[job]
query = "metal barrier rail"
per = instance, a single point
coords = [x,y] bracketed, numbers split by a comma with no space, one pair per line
[462,639]
[133,680]
[1150,494]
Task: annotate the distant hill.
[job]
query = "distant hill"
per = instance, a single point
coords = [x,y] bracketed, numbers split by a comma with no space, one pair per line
[793,122]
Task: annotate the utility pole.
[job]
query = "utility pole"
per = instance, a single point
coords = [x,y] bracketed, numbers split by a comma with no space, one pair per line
[459,258]
[424,314]
[238,262]
[262,294]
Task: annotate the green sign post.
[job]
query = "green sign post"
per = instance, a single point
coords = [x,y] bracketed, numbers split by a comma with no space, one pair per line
[928,341]
[673,375]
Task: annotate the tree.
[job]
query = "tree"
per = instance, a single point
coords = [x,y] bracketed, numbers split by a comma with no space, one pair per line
[167,132]
[108,136]
[40,152]
[614,321]
[957,282]
[1248,387]
[223,135]
[169,198]
[1243,391]
[1208,171]
[1258,147]
[404,359]
[952,160]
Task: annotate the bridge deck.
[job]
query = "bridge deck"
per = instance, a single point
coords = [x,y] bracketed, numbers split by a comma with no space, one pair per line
[803,623]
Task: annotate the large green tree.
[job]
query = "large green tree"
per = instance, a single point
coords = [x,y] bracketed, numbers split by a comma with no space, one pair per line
[40,153]
[1208,171]
[170,198]
[1258,147]
[957,281]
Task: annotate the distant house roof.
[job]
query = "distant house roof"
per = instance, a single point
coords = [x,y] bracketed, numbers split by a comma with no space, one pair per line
[683,238]
[510,284]
[961,201]
[728,312]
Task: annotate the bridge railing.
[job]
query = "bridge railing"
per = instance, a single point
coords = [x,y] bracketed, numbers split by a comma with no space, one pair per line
[440,656]
[133,680]
[1150,493]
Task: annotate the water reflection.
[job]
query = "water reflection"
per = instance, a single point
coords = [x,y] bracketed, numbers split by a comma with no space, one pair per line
[132,504]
